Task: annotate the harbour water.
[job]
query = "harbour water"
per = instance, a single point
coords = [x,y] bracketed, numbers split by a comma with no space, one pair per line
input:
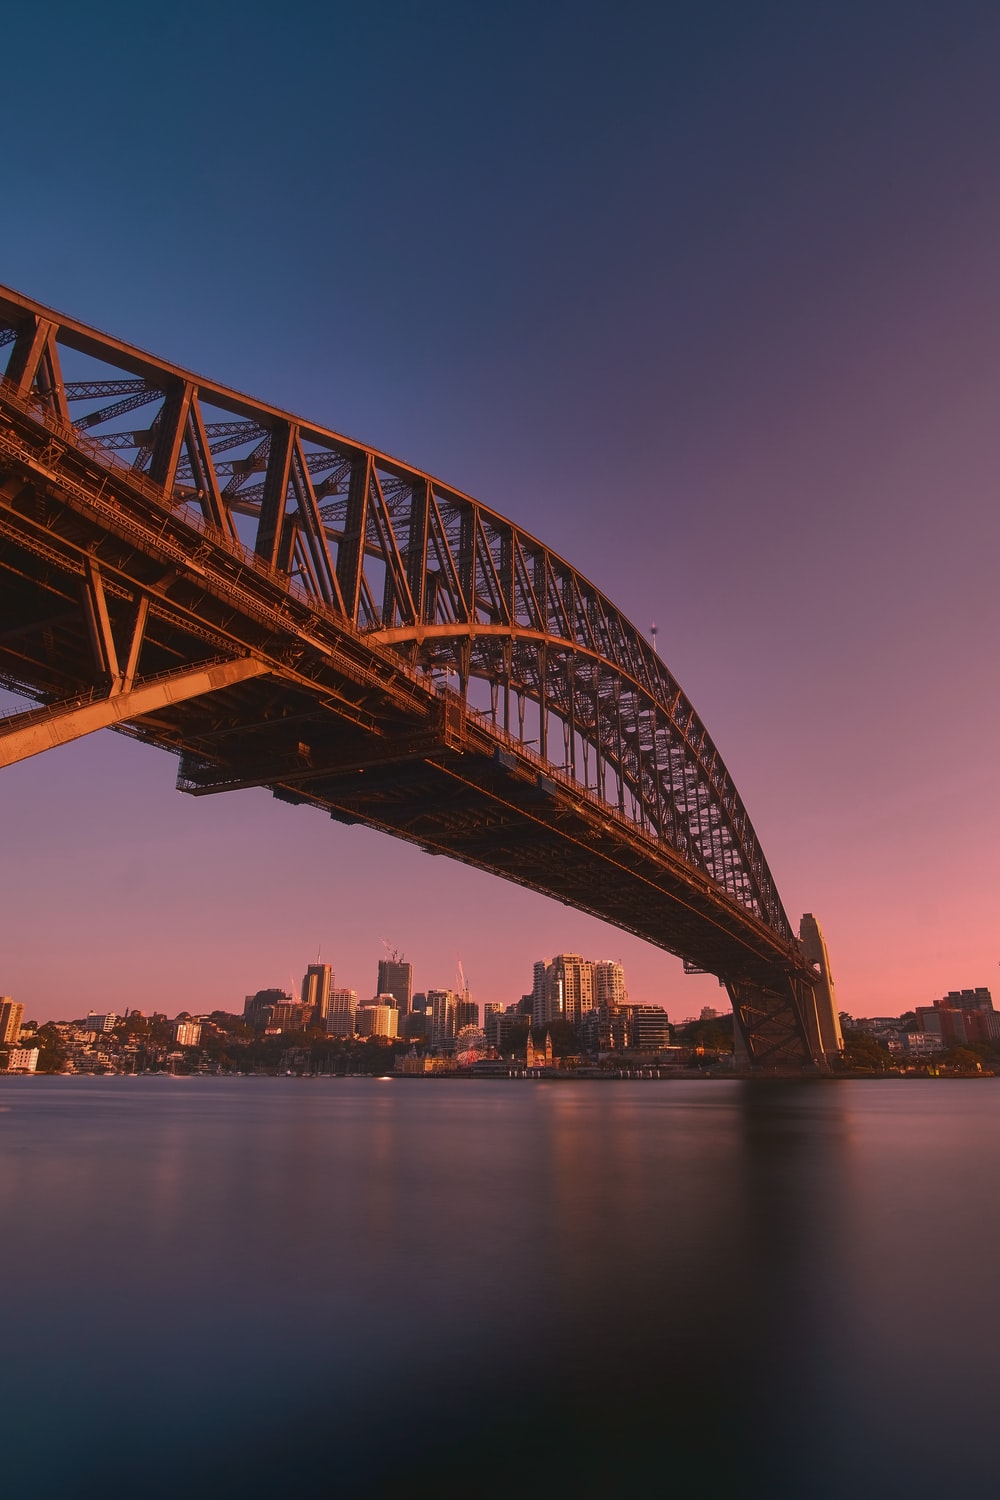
[362,1288]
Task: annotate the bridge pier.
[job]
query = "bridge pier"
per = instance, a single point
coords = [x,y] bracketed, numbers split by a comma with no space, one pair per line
[776,1029]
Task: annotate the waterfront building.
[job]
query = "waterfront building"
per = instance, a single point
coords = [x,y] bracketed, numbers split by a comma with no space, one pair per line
[340,1015]
[395,978]
[316,986]
[187,1033]
[11,1012]
[920,1043]
[22,1059]
[649,1028]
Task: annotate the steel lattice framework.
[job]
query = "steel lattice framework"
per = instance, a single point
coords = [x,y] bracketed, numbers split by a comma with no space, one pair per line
[375,642]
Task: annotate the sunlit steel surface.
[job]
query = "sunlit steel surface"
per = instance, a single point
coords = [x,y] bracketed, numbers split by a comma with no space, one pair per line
[287,607]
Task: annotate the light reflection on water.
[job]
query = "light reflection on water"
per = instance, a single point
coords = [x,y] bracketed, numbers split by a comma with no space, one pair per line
[311,1288]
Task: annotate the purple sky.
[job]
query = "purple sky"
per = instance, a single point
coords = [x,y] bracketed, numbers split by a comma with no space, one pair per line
[705,296]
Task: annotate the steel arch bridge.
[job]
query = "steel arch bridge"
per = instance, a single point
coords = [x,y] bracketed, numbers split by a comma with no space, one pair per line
[286,607]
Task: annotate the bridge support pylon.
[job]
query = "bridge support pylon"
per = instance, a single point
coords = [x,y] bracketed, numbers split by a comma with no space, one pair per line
[776,1026]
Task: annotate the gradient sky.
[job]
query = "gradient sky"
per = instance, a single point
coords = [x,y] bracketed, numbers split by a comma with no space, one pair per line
[704,295]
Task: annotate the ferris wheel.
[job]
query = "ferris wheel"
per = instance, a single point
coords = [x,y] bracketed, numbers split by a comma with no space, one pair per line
[470,1046]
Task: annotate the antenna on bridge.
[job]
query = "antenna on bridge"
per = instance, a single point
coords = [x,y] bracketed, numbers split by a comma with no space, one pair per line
[653,632]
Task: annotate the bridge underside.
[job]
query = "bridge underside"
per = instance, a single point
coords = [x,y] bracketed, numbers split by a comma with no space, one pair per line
[117,610]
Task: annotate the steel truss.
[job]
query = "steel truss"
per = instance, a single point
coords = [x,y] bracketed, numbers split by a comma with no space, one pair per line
[491,640]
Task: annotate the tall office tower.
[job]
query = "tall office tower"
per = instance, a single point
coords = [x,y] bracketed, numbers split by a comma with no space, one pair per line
[258,1009]
[813,945]
[441,1004]
[563,989]
[609,984]
[395,978]
[466,1011]
[316,987]
[340,1015]
[11,1012]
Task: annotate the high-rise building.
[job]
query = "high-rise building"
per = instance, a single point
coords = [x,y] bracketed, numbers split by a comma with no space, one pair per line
[258,1008]
[187,1033]
[609,984]
[395,978]
[316,986]
[11,1012]
[380,1017]
[539,1011]
[466,1011]
[340,1015]
[563,989]
[441,1004]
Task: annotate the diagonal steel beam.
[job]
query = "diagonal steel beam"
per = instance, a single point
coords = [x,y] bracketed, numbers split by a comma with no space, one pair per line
[43,729]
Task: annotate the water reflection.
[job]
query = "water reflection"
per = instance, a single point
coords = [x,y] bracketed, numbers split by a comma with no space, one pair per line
[257,1287]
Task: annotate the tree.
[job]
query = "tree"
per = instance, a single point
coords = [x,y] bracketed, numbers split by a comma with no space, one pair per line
[865,1054]
[963,1059]
[52,1049]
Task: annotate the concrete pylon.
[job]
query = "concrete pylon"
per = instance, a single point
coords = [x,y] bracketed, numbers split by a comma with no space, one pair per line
[813,946]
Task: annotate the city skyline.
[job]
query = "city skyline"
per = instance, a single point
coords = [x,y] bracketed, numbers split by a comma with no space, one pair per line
[763,418]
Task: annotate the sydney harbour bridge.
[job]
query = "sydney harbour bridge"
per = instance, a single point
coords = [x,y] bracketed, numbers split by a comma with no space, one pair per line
[285,607]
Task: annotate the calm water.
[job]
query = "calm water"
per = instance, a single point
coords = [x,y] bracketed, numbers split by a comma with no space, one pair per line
[354,1288]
